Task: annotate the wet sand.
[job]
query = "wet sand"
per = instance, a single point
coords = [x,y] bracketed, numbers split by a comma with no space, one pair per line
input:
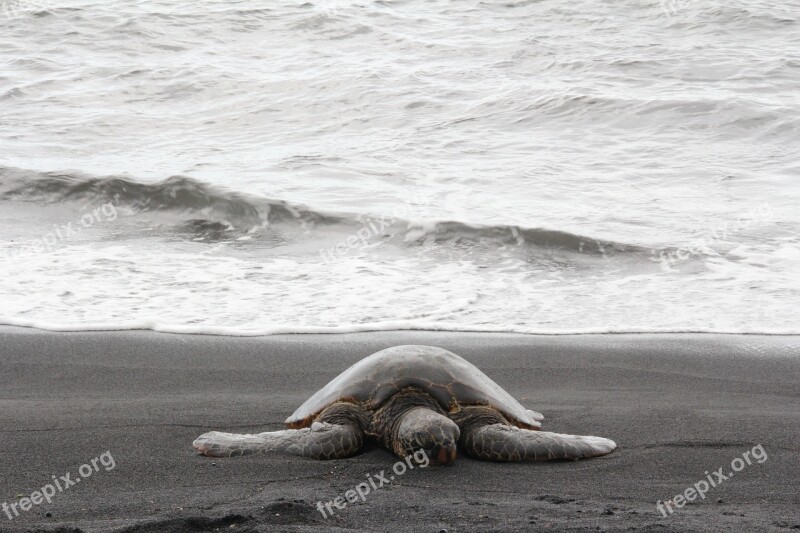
[677,405]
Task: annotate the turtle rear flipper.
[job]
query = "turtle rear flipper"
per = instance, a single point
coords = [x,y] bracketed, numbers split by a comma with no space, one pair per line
[504,443]
[320,441]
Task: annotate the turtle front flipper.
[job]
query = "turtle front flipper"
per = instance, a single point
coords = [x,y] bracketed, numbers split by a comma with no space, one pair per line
[505,443]
[536,415]
[320,441]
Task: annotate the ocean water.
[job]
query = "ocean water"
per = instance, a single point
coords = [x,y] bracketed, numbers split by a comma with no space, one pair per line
[251,167]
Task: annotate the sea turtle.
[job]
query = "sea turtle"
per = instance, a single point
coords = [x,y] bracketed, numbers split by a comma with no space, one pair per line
[410,398]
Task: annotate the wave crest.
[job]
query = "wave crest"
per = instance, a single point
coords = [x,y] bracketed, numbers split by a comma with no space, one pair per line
[214,212]
[176,193]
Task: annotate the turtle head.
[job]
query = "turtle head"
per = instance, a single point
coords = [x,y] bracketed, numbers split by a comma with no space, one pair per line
[427,436]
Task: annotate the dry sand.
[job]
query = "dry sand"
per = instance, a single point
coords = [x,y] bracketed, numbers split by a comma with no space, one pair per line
[677,405]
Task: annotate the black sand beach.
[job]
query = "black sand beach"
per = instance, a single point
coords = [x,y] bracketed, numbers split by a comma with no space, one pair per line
[677,405]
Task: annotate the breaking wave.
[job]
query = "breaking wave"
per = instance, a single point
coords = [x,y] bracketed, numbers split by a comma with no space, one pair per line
[214,211]
[176,193]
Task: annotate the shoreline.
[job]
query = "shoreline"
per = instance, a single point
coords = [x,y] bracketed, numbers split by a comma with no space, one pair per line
[322,330]
[676,404]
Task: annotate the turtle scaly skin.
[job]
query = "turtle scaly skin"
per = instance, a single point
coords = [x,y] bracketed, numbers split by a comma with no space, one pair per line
[411,398]
[336,435]
[487,435]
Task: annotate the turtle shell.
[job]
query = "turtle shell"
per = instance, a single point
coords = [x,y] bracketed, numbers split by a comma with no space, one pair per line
[450,379]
